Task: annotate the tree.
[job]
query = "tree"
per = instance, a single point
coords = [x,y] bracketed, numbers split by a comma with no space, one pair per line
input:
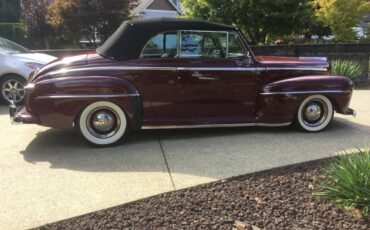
[89,18]
[10,11]
[257,18]
[341,16]
[33,17]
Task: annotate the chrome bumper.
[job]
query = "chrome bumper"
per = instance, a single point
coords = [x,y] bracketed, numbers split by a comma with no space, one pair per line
[351,112]
[14,118]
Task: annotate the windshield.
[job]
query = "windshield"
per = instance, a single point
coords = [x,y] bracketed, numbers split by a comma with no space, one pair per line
[8,47]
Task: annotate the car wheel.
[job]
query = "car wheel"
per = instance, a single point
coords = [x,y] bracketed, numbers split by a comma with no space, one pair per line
[102,123]
[12,89]
[314,114]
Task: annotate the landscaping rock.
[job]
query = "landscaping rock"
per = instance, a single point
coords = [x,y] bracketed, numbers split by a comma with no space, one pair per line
[276,199]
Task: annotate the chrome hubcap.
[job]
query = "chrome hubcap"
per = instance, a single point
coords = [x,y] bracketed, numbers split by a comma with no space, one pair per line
[315,113]
[103,122]
[13,90]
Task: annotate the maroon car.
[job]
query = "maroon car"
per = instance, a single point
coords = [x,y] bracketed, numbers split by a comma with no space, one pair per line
[177,73]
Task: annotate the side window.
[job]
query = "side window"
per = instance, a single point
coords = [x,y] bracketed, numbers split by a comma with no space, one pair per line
[235,48]
[191,44]
[203,44]
[163,45]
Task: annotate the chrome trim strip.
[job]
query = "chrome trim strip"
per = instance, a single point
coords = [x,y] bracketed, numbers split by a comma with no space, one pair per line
[305,92]
[216,125]
[64,96]
[154,68]
[273,124]
[296,68]
[220,69]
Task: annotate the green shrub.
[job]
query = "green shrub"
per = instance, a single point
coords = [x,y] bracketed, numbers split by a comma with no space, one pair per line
[347,181]
[349,69]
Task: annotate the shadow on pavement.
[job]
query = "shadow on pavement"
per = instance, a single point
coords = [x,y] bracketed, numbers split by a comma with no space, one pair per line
[200,152]
[3,109]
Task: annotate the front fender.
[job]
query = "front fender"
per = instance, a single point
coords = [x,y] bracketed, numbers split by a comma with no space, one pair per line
[309,83]
[58,101]
[279,101]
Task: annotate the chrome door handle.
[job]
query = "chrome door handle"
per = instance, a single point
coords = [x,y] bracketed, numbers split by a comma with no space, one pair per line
[205,78]
[197,75]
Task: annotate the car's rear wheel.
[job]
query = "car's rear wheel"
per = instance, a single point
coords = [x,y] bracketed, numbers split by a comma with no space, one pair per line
[314,114]
[12,89]
[102,123]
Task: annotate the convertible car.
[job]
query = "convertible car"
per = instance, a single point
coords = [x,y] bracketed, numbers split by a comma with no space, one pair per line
[179,73]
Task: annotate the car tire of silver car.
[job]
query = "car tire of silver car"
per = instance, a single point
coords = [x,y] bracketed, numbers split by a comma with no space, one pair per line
[314,114]
[12,88]
[102,123]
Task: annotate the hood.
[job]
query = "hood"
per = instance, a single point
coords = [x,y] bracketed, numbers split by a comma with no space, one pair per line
[300,61]
[35,57]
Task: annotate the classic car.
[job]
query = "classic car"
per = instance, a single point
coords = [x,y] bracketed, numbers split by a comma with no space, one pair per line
[16,64]
[180,73]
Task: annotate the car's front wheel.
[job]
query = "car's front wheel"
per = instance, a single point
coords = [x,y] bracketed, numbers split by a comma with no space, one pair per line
[12,89]
[315,113]
[102,123]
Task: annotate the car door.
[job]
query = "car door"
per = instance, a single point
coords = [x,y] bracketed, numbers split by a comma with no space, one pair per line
[216,80]
[156,81]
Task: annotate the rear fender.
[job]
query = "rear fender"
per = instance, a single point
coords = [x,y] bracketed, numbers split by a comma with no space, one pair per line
[58,101]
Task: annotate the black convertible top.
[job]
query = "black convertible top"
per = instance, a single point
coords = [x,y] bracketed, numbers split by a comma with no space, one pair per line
[129,39]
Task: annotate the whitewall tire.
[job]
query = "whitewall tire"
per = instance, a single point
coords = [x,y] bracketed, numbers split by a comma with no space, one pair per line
[102,123]
[315,113]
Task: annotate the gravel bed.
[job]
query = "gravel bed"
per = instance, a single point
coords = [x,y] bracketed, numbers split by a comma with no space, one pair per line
[274,199]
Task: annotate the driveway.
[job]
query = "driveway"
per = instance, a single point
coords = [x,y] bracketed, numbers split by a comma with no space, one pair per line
[49,174]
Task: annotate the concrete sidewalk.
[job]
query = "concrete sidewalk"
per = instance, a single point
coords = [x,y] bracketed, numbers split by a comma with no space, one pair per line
[48,174]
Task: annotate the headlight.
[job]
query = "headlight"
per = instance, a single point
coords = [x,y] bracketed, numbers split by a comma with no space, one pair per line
[34,65]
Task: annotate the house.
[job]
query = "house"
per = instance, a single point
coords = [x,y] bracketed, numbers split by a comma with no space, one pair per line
[147,8]
[364,26]
[157,8]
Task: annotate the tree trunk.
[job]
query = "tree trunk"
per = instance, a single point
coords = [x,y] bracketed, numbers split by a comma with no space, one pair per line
[46,42]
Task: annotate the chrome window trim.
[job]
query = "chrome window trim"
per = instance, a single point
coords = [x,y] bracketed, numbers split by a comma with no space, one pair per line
[216,125]
[66,96]
[306,92]
[227,45]
[207,31]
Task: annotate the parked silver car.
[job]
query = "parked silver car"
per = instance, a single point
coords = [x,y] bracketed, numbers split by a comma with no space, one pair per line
[16,64]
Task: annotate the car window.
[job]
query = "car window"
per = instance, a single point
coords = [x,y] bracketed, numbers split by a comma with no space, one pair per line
[203,44]
[235,47]
[163,45]
[8,47]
